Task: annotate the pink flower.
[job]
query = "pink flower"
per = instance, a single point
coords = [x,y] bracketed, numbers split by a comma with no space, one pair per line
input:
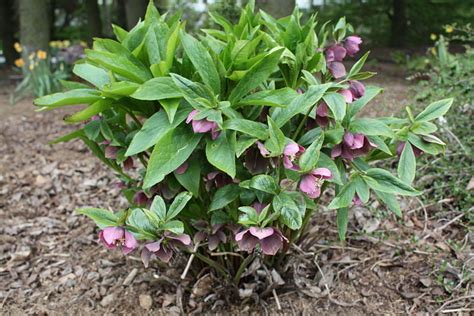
[218,179]
[334,57]
[270,240]
[203,125]
[110,152]
[311,183]
[128,164]
[290,153]
[351,44]
[347,94]
[401,145]
[113,237]
[352,146]
[357,201]
[164,248]
[259,206]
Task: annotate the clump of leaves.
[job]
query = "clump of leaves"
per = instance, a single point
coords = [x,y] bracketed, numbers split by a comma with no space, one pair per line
[236,134]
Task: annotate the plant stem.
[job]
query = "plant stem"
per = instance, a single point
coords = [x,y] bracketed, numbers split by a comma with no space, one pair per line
[242,267]
[212,263]
[303,121]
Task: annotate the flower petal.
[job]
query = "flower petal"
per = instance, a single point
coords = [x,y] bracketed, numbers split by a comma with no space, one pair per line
[261,233]
[271,244]
[112,234]
[191,116]
[323,173]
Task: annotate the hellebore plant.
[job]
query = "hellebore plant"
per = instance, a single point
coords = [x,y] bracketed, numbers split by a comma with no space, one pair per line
[228,141]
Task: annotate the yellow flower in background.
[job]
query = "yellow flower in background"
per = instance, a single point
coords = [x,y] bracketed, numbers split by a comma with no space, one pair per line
[53,44]
[19,62]
[42,54]
[32,56]
[31,67]
[18,47]
[433,37]
[433,50]
[84,44]
[449,29]
[66,43]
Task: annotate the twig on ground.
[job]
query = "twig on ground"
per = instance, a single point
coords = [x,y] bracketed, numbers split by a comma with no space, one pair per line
[425,225]
[276,299]
[188,265]
[439,229]
[453,301]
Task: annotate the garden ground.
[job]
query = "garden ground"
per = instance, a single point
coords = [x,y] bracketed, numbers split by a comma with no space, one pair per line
[50,261]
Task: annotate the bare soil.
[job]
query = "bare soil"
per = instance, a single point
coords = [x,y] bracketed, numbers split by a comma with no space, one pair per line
[51,263]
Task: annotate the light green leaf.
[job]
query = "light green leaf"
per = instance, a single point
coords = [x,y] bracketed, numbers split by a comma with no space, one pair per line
[357,66]
[344,197]
[248,127]
[384,181]
[158,207]
[178,205]
[370,93]
[368,126]
[72,97]
[390,201]
[290,212]
[102,218]
[263,183]
[191,178]
[93,109]
[342,220]
[337,104]
[176,227]
[310,157]
[279,98]
[277,141]
[93,74]
[407,165]
[157,89]
[434,110]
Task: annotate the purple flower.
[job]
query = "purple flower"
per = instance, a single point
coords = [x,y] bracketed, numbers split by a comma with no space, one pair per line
[164,248]
[110,152]
[214,234]
[401,145]
[311,183]
[352,146]
[322,114]
[128,163]
[357,89]
[183,168]
[347,94]
[203,125]
[334,57]
[270,240]
[259,206]
[141,199]
[357,201]
[290,153]
[254,161]
[218,180]
[113,237]
[263,151]
[351,44]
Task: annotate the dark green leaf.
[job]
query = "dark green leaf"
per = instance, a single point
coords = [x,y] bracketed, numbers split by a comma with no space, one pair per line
[248,127]
[386,182]
[407,165]
[102,218]
[178,205]
[224,196]
[219,153]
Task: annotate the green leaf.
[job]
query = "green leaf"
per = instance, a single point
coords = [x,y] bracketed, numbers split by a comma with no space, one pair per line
[170,152]
[407,165]
[384,181]
[138,220]
[390,201]
[342,220]
[158,207]
[279,98]
[337,104]
[263,183]
[157,89]
[372,127]
[73,97]
[219,153]
[243,143]
[102,218]
[430,148]
[93,109]
[287,207]
[310,157]
[423,128]
[344,197]
[248,127]
[434,110]
[176,227]
[277,141]
[154,129]
[121,88]
[301,104]
[202,61]
[224,196]
[191,178]
[257,74]
[370,93]
[357,66]
[380,144]
[170,106]
[178,204]
[68,137]
[362,188]
[93,74]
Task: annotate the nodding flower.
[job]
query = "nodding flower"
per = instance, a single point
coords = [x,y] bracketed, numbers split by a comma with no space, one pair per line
[401,145]
[164,248]
[351,44]
[312,182]
[213,233]
[203,125]
[352,146]
[335,54]
[113,237]
[355,91]
[270,239]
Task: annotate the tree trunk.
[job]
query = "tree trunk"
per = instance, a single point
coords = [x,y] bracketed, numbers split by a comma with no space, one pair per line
[135,9]
[8,28]
[399,23]
[121,13]
[93,18]
[276,8]
[34,25]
